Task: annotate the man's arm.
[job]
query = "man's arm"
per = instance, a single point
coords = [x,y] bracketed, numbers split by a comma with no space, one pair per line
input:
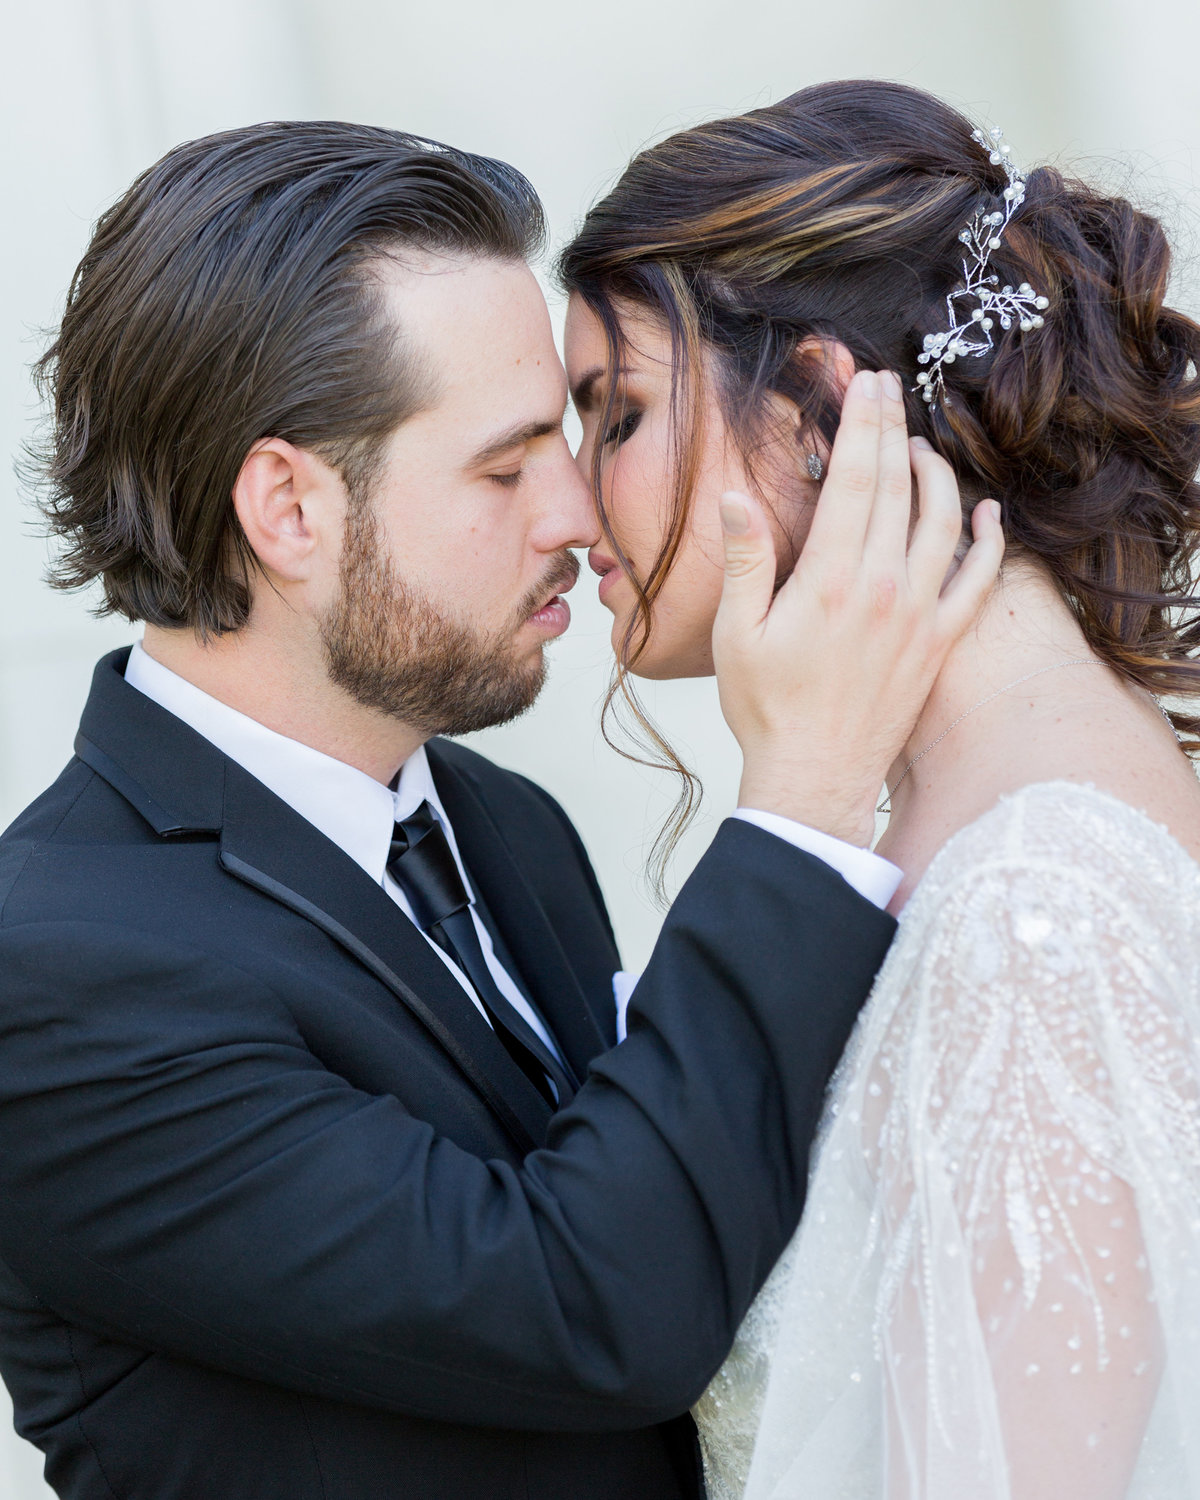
[181,1173]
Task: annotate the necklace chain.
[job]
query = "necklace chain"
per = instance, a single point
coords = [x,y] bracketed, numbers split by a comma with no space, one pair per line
[1077,661]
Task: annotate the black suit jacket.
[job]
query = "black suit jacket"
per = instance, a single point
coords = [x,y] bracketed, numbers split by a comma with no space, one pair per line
[279,1216]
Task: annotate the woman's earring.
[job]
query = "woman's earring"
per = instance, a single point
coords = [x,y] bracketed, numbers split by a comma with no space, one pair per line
[815,467]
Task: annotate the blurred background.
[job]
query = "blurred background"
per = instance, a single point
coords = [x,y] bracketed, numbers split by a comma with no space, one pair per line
[95,90]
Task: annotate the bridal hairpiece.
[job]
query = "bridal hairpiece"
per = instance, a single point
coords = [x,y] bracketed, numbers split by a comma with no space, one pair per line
[971,336]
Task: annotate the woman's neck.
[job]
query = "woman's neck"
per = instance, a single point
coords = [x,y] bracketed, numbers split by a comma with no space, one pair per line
[1024,716]
[1024,627]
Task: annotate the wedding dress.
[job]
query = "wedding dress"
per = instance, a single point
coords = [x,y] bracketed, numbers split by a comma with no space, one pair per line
[994,1293]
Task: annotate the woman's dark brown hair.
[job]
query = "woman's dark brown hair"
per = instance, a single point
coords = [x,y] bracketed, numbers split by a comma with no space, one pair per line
[228,297]
[835,215]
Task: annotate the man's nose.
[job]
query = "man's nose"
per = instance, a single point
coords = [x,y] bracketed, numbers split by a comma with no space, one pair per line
[571,519]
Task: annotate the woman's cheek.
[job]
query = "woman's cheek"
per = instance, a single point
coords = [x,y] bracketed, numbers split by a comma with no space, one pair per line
[640,500]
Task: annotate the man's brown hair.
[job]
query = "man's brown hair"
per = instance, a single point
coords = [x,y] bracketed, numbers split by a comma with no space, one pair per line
[228,297]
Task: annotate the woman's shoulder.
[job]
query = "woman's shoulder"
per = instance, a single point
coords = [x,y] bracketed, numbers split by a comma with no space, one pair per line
[1056,937]
[1058,888]
[1071,842]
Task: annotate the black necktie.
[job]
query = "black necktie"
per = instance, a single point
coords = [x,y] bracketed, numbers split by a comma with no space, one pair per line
[422,865]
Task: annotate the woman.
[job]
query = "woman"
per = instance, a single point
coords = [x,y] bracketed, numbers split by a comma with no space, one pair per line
[995,1291]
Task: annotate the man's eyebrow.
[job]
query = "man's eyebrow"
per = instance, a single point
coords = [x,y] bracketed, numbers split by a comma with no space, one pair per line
[511,437]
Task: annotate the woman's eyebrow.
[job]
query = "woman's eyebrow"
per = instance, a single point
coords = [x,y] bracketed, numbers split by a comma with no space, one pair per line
[583,392]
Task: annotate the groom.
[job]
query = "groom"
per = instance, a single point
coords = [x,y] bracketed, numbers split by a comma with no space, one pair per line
[321,1177]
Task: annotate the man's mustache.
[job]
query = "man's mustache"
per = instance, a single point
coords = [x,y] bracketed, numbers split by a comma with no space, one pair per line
[561,575]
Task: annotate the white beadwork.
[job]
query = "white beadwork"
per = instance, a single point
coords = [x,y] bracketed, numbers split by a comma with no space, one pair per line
[970,336]
[1001,1244]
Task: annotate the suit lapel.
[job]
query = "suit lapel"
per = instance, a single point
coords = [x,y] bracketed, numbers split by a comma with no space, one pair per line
[181,784]
[519,915]
[267,845]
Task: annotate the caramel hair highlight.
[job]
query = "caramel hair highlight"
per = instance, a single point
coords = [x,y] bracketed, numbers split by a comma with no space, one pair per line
[833,216]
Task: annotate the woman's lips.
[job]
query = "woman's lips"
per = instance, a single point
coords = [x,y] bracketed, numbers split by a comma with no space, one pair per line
[609,582]
[609,570]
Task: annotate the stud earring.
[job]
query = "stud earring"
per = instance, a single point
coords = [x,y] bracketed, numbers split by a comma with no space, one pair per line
[815,467]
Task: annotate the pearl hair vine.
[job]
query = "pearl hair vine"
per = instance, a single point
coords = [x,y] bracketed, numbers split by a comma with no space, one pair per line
[971,337]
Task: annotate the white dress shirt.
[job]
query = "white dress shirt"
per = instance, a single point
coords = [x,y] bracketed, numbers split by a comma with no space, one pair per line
[350,808]
[357,813]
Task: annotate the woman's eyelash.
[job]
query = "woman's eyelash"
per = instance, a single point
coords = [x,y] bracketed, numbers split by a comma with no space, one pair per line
[509,481]
[623,430]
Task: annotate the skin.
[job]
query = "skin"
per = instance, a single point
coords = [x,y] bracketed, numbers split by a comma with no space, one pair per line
[473,535]
[1077,724]
[1081,724]
[867,572]
[476,502]
[637,486]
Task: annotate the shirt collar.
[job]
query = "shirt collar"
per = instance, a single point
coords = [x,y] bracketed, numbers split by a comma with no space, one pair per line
[350,808]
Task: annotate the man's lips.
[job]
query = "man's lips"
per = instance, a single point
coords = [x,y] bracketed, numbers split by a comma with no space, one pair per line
[555,614]
[553,617]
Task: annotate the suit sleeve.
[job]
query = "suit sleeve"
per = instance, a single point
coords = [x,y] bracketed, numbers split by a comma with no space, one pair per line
[208,1189]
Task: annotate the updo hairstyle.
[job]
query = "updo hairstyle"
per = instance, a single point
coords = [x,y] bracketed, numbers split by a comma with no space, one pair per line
[835,215]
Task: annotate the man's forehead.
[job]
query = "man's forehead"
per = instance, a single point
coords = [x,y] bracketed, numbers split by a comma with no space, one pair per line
[456,305]
[481,330]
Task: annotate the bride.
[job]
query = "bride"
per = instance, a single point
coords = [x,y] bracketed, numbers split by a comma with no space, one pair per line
[995,1290]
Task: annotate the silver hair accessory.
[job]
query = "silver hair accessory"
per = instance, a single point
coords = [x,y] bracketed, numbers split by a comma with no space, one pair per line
[815,467]
[971,336]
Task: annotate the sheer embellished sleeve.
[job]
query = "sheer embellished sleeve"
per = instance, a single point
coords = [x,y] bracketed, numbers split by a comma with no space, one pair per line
[994,1292]
[1030,1121]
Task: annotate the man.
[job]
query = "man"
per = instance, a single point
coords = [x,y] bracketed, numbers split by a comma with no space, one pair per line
[321,1173]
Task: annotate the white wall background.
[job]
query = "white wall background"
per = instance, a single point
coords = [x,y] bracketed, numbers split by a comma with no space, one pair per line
[94,90]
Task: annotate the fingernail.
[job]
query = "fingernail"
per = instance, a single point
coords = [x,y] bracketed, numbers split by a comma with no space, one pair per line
[734,516]
[891,385]
[920,442]
[868,384]
[996,511]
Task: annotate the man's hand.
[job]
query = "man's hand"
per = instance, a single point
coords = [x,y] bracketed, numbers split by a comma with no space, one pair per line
[822,684]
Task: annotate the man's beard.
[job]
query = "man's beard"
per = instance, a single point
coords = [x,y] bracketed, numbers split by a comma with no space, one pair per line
[390,648]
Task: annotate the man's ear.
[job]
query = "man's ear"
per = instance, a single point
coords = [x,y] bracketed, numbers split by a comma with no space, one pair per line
[291,505]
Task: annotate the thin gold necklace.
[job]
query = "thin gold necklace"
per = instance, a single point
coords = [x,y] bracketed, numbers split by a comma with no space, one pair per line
[1078,661]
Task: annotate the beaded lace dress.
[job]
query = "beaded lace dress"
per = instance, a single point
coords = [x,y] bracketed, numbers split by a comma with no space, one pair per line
[995,1289]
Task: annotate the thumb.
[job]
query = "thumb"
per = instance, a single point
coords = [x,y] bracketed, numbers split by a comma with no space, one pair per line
[750,563]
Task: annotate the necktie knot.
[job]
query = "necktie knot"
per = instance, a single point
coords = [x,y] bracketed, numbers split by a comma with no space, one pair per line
[422,864]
